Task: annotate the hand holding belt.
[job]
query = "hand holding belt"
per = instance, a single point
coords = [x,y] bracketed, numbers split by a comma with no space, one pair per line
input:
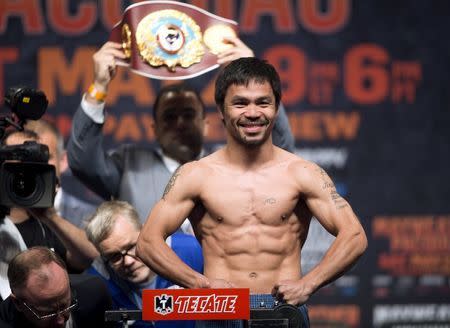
[171,40]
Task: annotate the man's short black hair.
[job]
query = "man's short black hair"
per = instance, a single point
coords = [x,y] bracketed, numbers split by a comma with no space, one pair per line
[176,88]
[241,72]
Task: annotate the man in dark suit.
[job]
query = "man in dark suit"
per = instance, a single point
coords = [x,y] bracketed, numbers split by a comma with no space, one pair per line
[45,295]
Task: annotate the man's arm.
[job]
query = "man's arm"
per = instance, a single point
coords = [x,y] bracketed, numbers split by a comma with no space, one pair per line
[87,158]
[164,219]
[338,218]
[80,251]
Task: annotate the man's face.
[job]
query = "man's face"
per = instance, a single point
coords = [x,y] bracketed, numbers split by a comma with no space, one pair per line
[51,142]
[44,298]
[180,125]
[123,238]
[249,112]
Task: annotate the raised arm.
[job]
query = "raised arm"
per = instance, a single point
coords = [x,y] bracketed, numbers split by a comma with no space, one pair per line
[165,218]
[80,252]
[87,158]
[336,215]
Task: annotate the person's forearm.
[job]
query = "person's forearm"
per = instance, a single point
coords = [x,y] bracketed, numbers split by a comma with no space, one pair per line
[342,254]
[155,253]
[80,251]
[87,158]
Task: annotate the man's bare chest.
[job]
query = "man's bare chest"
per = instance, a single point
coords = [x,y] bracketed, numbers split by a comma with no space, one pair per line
[260,198]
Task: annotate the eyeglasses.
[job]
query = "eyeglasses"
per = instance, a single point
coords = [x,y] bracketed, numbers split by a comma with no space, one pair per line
[63,312]
[117,258]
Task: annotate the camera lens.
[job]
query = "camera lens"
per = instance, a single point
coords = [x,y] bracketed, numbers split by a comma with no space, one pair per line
[25,188]
[23,185]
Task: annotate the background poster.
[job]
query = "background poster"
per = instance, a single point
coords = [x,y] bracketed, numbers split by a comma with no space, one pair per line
[366,87]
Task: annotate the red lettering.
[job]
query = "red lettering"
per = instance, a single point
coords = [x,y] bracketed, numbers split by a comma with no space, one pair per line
[57,74]
[324,77]
[280,10]
[313,19]
[341,125]
[128,129]
[28,10]
[110,125]
[111,13]
[225,8]
[66,23]
[7,55]
[290,62]
[147,122]
[366,80]
[405,78]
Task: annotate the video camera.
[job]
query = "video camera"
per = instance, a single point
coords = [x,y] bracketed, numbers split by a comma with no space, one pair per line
[26,178]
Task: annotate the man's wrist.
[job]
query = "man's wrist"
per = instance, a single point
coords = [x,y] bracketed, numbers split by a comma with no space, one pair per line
[96,93]
[201,282]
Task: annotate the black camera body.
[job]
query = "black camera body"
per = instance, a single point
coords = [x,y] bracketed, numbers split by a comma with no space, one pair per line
[26,178]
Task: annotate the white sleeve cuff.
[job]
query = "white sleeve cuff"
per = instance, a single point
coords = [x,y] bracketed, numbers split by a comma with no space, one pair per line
[95,112]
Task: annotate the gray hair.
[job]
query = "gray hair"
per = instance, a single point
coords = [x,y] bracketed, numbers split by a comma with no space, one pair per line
[102,221]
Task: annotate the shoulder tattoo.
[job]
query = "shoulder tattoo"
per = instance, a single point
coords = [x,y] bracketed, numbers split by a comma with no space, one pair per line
[171,182]
[327,184]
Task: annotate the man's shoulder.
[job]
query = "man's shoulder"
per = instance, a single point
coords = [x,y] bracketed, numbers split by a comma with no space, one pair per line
[92,293]
[82,282]
[8,313]
[305,172]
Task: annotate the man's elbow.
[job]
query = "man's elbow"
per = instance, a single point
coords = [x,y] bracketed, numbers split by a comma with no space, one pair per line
[144,249]
[362,242]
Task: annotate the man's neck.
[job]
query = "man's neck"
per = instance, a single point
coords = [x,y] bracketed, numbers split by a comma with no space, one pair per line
[249,156]
[18,215]
[145,284]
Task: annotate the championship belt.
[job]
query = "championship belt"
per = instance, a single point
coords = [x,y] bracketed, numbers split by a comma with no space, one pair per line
[170,40]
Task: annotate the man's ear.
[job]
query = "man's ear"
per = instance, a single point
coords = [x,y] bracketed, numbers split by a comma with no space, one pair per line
[220,113]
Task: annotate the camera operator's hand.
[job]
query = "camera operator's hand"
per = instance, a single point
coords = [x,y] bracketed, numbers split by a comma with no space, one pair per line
[239,50]
[105,65]
[80,251]
[43,214]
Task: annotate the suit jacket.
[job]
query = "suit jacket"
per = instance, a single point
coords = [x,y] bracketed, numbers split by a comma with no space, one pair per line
[132,173]
[93,299]
[74,209]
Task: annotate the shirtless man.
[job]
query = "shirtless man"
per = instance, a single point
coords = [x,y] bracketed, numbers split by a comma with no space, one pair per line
[250,203]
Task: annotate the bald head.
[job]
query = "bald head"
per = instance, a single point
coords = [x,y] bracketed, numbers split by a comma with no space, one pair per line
[37,265]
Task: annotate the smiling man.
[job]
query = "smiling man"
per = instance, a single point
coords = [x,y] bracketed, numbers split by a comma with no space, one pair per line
[253,212]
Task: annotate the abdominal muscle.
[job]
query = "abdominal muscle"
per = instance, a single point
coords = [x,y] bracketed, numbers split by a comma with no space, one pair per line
[253,255]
